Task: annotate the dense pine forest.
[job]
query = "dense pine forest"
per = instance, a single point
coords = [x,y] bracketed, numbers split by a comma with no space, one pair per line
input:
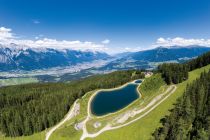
[173,72]
[26,109]
[176,73]
[190,119]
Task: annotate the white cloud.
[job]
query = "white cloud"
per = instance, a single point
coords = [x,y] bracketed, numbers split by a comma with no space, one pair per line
[7,37]
[178,41]
[5,33]
[106,41]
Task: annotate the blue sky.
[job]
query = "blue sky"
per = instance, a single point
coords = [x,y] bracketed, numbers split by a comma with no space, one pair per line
[126,23]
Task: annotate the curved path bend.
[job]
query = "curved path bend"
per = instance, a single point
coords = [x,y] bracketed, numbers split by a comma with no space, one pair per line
[152,105]
[73,112]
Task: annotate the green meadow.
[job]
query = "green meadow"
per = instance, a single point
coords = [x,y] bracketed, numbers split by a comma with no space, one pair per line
[141,129]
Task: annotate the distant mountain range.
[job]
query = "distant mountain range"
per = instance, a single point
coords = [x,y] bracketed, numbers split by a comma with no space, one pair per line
[14,57]
[54,65]
[149,59]
[161,54]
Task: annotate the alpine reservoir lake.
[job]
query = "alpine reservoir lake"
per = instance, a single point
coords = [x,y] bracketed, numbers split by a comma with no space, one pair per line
[110,101]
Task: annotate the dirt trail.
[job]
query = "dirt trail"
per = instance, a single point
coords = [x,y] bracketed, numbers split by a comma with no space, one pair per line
[152,105]
[73,112]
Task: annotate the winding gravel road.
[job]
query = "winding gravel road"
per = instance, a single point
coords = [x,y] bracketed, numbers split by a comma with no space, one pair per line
[73,112]
[76,107]
[153,104]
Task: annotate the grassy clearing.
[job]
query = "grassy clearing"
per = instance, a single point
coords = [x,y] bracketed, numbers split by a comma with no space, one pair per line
[143,128]
[38,136]
[161,90]
[151,85]
[148,93]
[17,81]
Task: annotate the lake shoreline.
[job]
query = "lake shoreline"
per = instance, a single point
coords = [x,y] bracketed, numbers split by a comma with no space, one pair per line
[112,89]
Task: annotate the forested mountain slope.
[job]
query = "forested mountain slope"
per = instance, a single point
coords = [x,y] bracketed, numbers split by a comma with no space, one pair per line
[190,119]
[26,109]
[176,73]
